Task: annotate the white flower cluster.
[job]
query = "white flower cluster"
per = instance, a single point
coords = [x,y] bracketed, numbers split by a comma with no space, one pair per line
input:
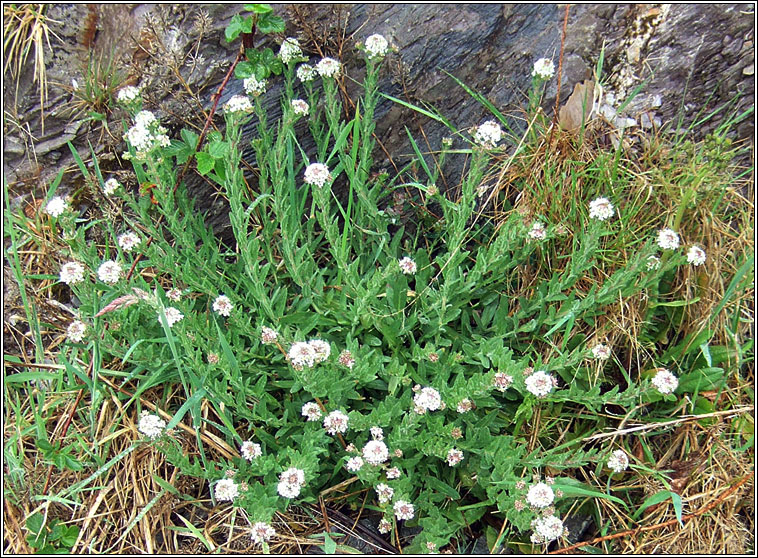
[618,461]
[172,315]
[56,206]
[601,352]
[226,489]
[407,266]
[300,107]
[238,104]
[376,452]
[305,73]
[261,532]
[151,425]
[543,69]
[146,134]
[335,422]
[174,294]
[346,359]
[376,46]
[601,209]
[668,239]
[291,482]
[290,50]
[665,382]
[308,353]
[488,134]
[75,332]
[454,456]
[311,412]
[253,86]
[502,381]
[540,383]
[268,336]
[546,529]
[427,399]
[404,510]
[317,174]
[110,186]
[109,272]
[354,464]
[538,232]
[328,67]
[385,493]
[128,94]
[223,305]
[540,495]
[250,450]
[128,241]
[72,272]
[696,255]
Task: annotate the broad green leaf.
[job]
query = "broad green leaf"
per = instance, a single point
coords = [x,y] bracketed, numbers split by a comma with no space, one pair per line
[205,162]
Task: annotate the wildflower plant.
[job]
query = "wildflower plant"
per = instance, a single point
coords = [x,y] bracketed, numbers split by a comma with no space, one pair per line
[346,348]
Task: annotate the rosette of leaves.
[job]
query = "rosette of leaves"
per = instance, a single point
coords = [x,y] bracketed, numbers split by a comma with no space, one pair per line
[259,63]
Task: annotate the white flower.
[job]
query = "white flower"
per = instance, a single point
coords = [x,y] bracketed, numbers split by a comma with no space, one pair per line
[144,118]
[254,87]
[427,399]
[540,383]
[300,107]
[109,272]
[665,382]
[376,46]
[127,94]
[464,406]
[290,50]
[407,266]
[354,464]
[601,352]
[174,294]
[377,433]
[502,381]
[543,68]
[653,262]
[238,104]
[151,425]
[268,336]
[384,526]
[385,492]
[56,206]
[547,529]
[110,186]
[250,450]
[328,67]
[317,174]
[226,489]
[75,332]
[454,456]
[540,495]
[538,232]
[696,255]
[336,421]
[393,473]
[305,73]
[302,354]
[618,461]
[668,239]
[404,510]
[128,241]
[321,349]
[346,359]
[72,272]
[311,411]
[288,490]
[223,305]
[290,482]
[488,134]
[601,209]
[172,315]
[375,452]
[261,532]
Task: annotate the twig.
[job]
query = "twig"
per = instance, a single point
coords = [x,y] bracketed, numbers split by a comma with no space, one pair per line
[638,530]
[560,68]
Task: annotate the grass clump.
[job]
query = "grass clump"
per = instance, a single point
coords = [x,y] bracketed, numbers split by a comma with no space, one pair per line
[533,349]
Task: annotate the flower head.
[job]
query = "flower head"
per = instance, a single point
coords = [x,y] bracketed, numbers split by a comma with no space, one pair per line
[377,433]
[376,46]
[464,406]
[384,526]
[321,349]
[174,294]
[226,489]
[618,461]
[311,412]
[601,209]
[407,266]
[110,186]
[427,399]
[268,336]
[335,422]
[261,532]
[317,174]
[375,452]
[305,73]
[127,94]
[546,529]
[290,482]
[540,495]
[250,450]
[601,352]
[540,383]
[75,332]
[290,50]
[128,241]
[109,272]
[696,255]
[72,272]
[254,87]
[346,359]
[151,425]
[454,456]
[543,69]
[488,134]
[223,305]
[668,239]
[665,382]
[538,232]
[172,315]
[404,510]
[238,104]
[146,134]
[328,67]
[385,492]
[502,381]
[56,206]
[302,354]
[393,473]
[354,464]
[300,107]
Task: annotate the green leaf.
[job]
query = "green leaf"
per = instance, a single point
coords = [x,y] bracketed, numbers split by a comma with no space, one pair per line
[218,149]
[574,488]
[35,522]
[269,23]
[258,8]
[205,162]
[440,486]
[329,545]
[656,498]
[244,70]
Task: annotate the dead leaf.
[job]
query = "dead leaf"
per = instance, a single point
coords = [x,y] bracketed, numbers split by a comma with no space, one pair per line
[578,107]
